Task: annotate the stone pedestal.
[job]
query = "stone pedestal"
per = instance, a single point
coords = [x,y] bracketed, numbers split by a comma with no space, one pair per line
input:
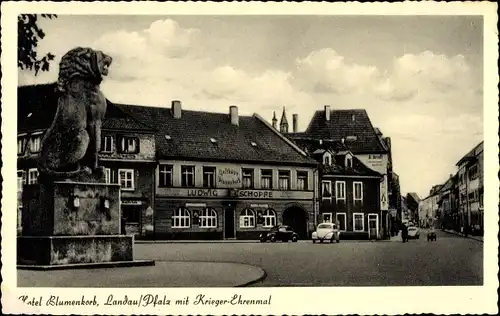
[68,223]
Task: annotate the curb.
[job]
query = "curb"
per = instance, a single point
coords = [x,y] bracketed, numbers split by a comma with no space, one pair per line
[260,279]
[97,265]
[458,234]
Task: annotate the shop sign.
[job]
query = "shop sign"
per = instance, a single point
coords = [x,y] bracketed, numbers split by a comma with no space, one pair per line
[127,202]
[229,177]
[269,194]
[202,192]
[259,205]
[196,205]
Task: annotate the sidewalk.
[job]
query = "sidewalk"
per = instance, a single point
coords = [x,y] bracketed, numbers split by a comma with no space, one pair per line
[449,231]
[162,274]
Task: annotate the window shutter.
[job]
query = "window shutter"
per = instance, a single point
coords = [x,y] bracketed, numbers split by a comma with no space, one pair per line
[138,149]
[119,147]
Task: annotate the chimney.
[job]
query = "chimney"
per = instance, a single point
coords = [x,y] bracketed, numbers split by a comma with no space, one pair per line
[176,109]
[295,118]
[233,114]
[327,112]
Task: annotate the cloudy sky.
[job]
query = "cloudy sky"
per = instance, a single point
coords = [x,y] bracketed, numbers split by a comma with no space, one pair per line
[419,78]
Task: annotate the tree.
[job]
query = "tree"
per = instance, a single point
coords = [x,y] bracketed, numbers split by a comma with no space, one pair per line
[28,35]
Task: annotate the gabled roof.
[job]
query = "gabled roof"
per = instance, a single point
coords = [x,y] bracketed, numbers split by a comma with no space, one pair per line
[414,196]
[344,123]
[37,105]
[339,151]
[212,136]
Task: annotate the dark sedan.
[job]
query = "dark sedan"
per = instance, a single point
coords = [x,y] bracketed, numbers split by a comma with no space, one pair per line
[281,232]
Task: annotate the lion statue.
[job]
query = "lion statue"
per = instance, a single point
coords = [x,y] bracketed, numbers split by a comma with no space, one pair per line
[69,148]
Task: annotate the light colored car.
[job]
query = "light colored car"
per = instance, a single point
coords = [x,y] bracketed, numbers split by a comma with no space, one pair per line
[413,232]
[326,232]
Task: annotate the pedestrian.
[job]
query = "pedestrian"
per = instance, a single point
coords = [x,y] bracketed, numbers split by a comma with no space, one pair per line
[404,233]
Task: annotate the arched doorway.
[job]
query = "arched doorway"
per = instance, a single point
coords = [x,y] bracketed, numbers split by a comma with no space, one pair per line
[296,217]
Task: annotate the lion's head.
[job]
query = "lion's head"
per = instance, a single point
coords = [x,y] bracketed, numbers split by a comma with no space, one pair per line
[85,63]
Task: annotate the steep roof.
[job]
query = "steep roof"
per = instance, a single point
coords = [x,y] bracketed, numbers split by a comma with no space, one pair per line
[414,196]
[471,155]
[37,105]
[196,135]
[340,150]
[344,123]
[212,136]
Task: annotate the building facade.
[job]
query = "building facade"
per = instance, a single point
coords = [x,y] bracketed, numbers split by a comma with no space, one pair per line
[428,208]
[470,191]
[225,176]
[354,129]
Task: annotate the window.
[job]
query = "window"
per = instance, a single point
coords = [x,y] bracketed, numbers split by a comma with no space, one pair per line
[359,222]
[129,145]
[269,218]
[357,188]
[247,178]
[21,179]
[327,159]
[327,217]
[341,221]
[35,144]
[247,218]
[126,179]
[302,180]
[132,213]
[284,180]
[209,177]
[107,143]
[266,179]
[208,218]
[187,174]
[165,174]
[32,176]
[348,162]
[340,190]
[21,142]
[473,172]
[107,173]
[326,189]
[181,218]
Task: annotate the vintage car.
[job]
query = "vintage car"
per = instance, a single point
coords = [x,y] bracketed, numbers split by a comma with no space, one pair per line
[413,232]
[431,235]
[326,232]
[280,232]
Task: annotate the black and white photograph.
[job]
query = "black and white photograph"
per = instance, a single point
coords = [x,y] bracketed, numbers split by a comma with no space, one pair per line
[332,158]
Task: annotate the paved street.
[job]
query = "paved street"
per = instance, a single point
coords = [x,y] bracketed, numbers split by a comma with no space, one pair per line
[451,260]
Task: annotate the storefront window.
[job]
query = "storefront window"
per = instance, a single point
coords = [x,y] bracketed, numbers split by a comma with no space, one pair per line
[187,173]
[247,218]
[208,218]
[132,213]
[266,180]
[181,218]
[165,180]
[248,178]
[269,218]
[284,180]
[208,177]
[302,180]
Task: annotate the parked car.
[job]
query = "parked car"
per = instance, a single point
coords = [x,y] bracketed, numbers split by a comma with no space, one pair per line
[280,232]
[431,235]
[413,232]
[326,231]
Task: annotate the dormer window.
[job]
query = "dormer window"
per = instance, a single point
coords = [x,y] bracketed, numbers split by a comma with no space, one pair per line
[213,140]
[327,159]
[351,138]
[128,145]
[35,142]
[254,144]
[167,137]
[348,162]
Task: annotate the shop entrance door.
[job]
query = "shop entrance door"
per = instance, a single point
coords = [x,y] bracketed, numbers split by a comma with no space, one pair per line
[372,226]
[229,223]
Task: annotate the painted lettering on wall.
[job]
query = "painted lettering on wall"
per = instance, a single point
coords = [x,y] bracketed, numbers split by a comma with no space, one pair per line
[229,177]
[202,192]
[255,194]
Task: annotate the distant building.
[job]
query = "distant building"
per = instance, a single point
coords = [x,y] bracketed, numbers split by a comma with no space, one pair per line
[470,190]
[412,202]
[448,204]
[428,208]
